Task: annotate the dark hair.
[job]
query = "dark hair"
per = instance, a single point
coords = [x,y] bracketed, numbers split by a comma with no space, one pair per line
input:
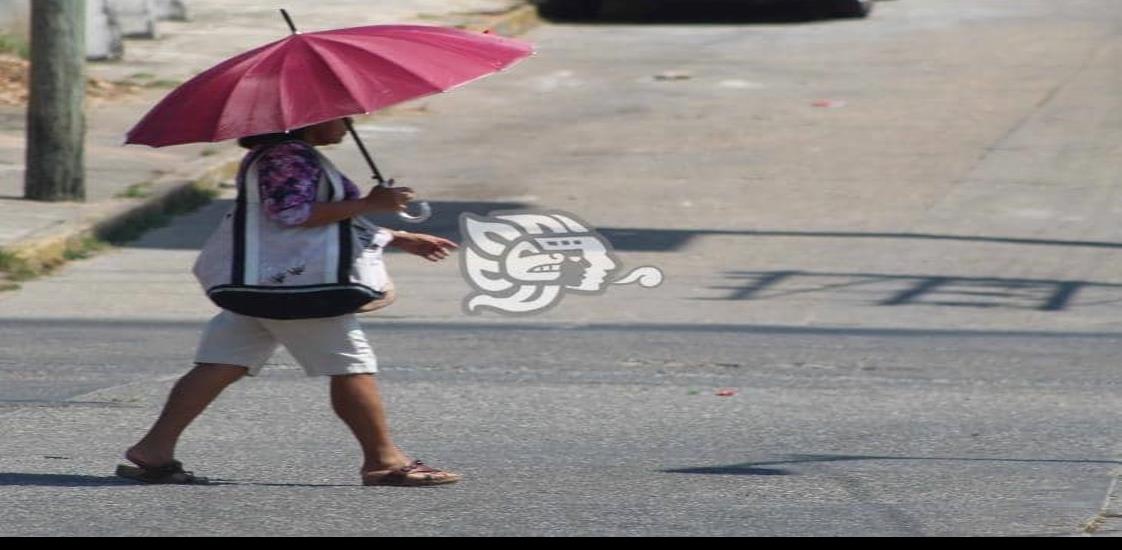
[269,139]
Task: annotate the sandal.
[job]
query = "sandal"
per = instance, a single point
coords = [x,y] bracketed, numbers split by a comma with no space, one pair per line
[168,474]
[416,474]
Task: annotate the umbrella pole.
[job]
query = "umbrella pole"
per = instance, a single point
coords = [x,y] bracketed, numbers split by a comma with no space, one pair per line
[350,124]
[425,211]
[288,20]
[365,153]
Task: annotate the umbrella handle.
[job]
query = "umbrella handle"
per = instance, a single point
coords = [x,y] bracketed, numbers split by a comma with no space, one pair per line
[424,209]
[424,213]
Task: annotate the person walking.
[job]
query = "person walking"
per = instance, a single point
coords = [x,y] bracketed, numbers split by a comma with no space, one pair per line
[233,346]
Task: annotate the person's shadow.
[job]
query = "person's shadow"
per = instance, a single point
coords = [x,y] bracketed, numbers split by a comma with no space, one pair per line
[61,480]
[65,480]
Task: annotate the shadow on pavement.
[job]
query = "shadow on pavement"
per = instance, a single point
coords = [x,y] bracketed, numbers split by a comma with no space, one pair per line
[444,223]
[759,469]
[883,289]
[231,483]
[62,480]
[669,240]
[190,329]
[56,480]
[734,470]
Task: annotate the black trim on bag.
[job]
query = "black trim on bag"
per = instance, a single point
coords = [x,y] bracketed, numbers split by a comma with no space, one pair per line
[346,236]
[346,253]
[304,302]
[238,271]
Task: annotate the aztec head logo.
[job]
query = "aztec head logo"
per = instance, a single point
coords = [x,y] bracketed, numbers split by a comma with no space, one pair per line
[521,263]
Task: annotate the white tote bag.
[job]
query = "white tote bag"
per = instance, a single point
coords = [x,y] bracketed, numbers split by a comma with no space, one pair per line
[259,268]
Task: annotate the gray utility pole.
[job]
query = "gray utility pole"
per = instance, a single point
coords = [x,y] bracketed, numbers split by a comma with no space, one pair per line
[56,123]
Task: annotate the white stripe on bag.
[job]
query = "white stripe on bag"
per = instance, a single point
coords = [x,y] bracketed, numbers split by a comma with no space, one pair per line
[331,266]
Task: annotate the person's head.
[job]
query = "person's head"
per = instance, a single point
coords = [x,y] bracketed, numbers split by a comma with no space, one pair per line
[324,133]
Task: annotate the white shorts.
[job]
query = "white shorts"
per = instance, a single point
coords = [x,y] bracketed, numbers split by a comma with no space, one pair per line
[324,347]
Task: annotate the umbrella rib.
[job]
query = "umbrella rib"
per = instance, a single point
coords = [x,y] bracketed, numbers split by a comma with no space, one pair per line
[229,96]
[201,79]
[282,88]
[463,50]
[425,34]
[319,55]
[404,69]
[465,45]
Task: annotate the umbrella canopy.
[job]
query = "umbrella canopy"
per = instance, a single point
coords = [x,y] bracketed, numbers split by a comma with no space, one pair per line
[306,79]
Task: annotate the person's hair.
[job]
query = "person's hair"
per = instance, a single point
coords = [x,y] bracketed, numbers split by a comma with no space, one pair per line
[269,139]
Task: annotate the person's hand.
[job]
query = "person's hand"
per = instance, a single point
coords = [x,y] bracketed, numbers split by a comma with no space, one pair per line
[429,247]
[389,199]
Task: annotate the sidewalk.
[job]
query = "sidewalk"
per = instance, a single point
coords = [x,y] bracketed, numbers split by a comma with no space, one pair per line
[125,185]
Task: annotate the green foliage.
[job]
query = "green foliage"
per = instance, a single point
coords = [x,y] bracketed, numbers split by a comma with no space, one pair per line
[14,45]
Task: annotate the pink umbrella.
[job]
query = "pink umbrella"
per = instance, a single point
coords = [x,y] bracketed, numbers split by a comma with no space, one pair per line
[306,79]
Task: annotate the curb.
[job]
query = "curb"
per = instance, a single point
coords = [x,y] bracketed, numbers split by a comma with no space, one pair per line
[47,250]
[106,221]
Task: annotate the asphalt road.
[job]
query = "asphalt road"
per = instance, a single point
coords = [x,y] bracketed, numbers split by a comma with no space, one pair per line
[910,292]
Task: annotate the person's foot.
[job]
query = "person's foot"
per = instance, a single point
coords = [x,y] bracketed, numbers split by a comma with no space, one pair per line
[168,474]
[156,468]
[412,474]
[146,458]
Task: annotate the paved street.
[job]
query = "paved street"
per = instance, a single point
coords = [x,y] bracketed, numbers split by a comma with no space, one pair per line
[912,288]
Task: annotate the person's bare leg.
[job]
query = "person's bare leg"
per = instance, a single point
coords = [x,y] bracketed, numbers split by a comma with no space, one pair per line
[358,403]
[190,397]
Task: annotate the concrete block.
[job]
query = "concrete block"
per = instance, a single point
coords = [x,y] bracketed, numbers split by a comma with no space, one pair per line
[103,34]
[171,10]
[137,18]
